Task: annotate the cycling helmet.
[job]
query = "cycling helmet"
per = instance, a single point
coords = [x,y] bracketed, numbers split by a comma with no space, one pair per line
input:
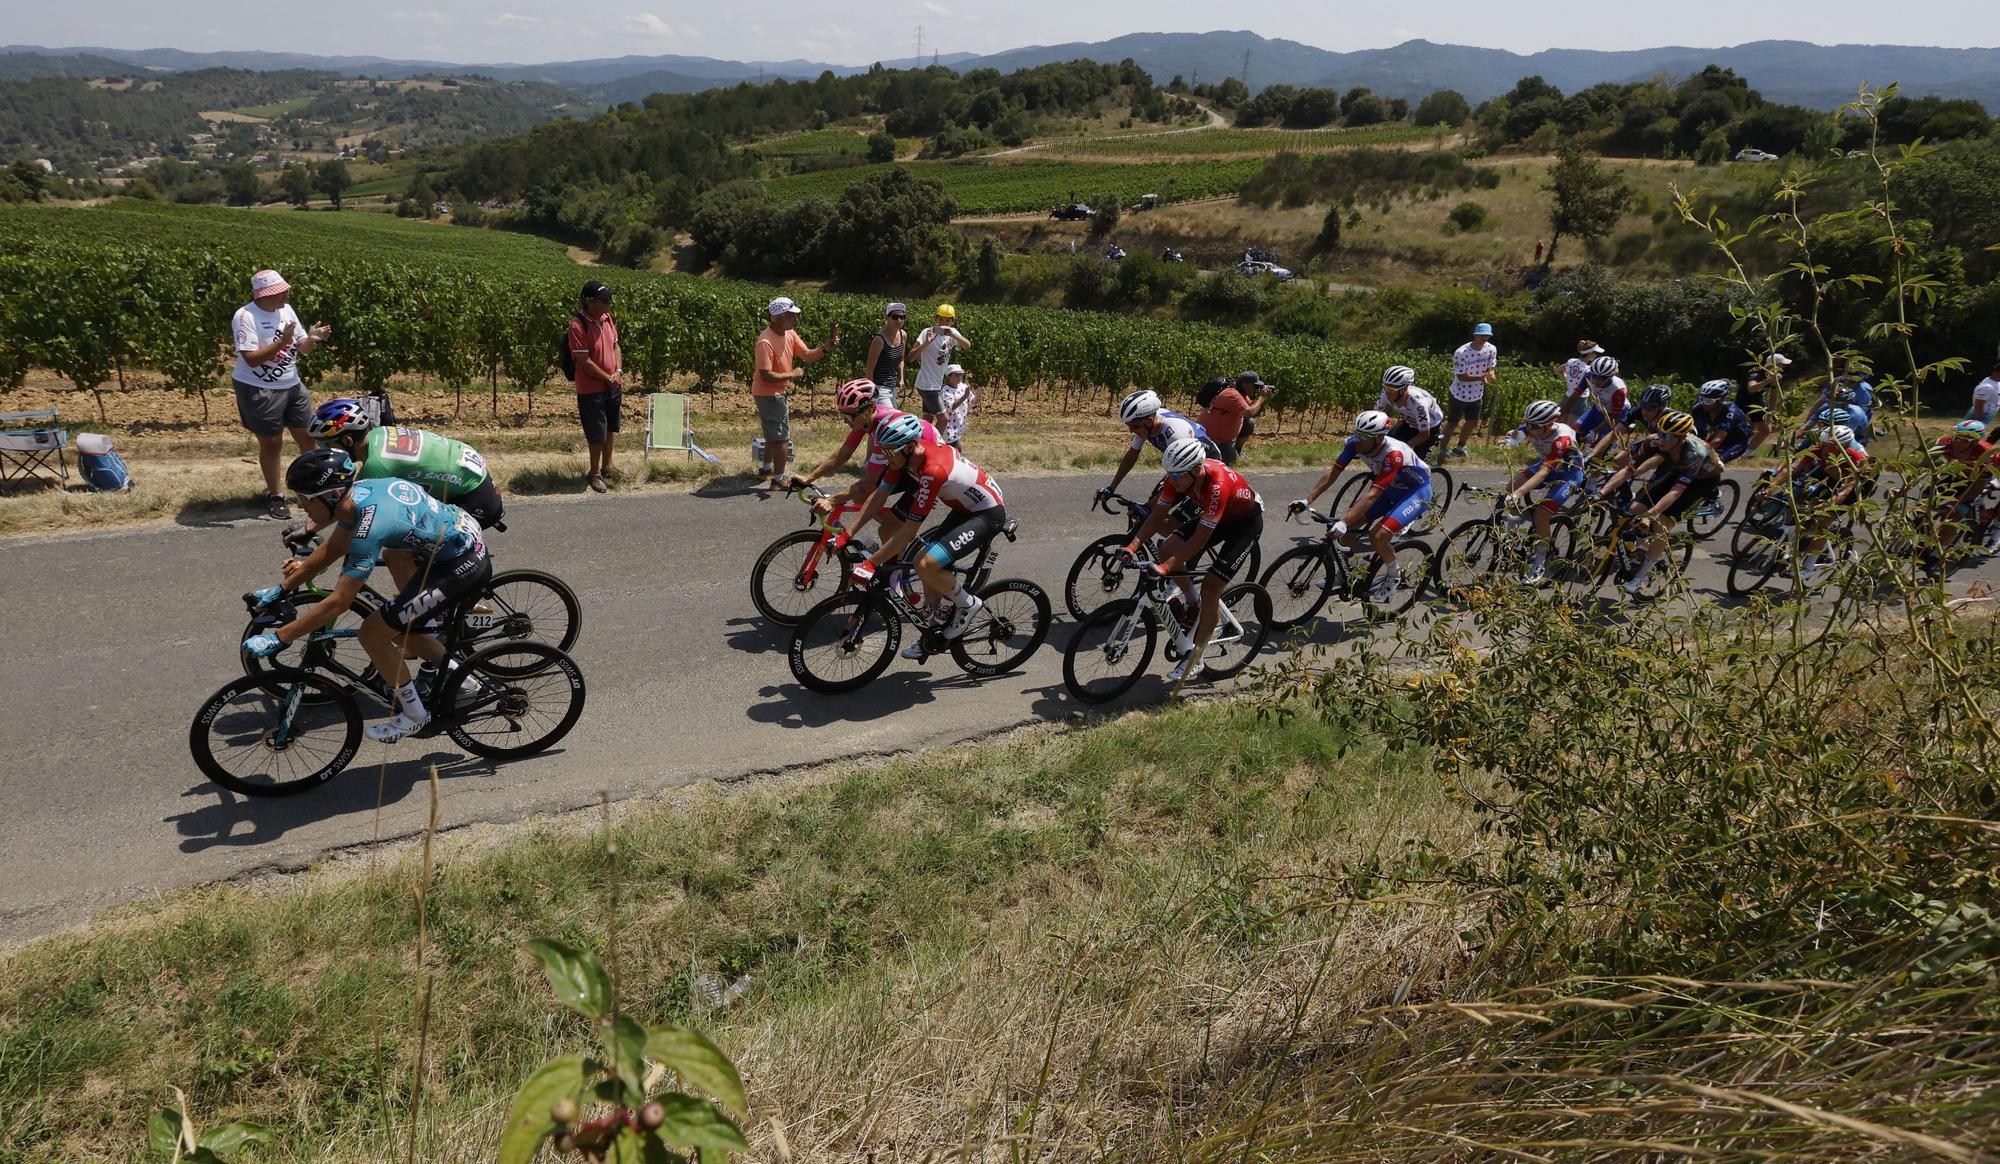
[321,471]
[1716,389]
[898,431]
[1656,396]
[1371,423]
[341,417]
[1839,416]
[1138,406]
[1841,394]
[1677,424]
[854,396]
[1604,367]
[1182,456]
[1971,430]
[1399,376]
[1542,412]
[1840,434]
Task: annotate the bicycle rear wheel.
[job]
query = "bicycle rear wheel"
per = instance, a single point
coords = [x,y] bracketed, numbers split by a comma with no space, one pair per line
[845,642]
[1098,577]
[512,699]
[1709,518]
[1296,586]
[1467,558]
[1250,605]
[1349,493]
[1008,628]
[276,733]
[530,606]
[1752,566]
[795,574]
[1109,651]
[1413,573]
[1443,490]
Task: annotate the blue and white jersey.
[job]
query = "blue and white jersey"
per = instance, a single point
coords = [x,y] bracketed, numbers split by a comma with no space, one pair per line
[1392,464]
[1419,408]
[1172,427]
[394,514]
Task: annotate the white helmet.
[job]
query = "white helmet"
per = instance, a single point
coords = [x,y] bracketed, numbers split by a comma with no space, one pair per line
[1841,434]
[1182,456]
[1399,376]
[1542,412]
[1138,406]
[1716,389]
[1372,423]
[1604,366]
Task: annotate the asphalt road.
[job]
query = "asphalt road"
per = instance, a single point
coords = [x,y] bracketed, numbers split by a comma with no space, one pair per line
[112,640]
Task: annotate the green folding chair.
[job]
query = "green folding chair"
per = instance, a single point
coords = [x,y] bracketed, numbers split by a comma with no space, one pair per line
[667,427]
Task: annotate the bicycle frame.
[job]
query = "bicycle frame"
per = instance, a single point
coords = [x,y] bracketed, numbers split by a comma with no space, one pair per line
[1155,595]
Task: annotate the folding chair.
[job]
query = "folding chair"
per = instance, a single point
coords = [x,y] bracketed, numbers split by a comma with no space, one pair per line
[30,454]
[667,427]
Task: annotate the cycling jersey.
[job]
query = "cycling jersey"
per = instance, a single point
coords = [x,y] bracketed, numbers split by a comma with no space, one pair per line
[1394,464]
[449,469]
[1609,395]
[1222,496]
[1839,462]
[1172,427]
[1857,419]
[1419,408]
[1730,421]
[1698,461]
[395,514]
[1557,448]
[946,475]
[876,460]
[1573,373]
[1969,460]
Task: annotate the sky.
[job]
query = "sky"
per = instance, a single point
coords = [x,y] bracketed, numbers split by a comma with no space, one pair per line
[532,31]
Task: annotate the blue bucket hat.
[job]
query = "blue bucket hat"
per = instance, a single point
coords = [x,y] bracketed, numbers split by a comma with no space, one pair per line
[1483,329]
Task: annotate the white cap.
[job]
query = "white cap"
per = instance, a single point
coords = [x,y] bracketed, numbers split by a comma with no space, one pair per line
[267,283]
[781,306]
[1782,361]
[955,370]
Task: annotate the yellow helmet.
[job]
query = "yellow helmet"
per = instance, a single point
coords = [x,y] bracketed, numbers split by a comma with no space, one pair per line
[1677,424]
[947,311]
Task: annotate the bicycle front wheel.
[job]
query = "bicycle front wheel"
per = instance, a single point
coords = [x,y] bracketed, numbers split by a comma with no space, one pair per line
[1752,566]
[276,733]
[1442,491]
[845,642]
[1249,606]
[1466,559]
[512,699]
[1008,628]
[345,651]
[522,606]
[1296,586]
[1098,576]
[795,574]
[1109,651]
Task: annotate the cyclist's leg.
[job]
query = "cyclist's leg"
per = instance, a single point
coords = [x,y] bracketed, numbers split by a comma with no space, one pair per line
[959,535]
[392,630]
[1232,543]
[484,504]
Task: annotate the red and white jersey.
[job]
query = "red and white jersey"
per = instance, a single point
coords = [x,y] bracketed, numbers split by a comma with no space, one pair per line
[1610,395]
[1419,408]
[1557,447]
[946,475]
[1223,494]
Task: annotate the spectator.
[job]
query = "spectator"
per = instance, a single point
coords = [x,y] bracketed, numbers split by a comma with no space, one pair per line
[885,354]
[600,378]
[1986,398]
[1538,250]
[932,355]
[955,400]
[1471,371]
[1229,413]
[776,348]
[1575,399]
[270,398]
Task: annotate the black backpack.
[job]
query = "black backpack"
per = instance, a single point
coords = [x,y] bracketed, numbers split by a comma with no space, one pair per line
[565,358]
[1207,393]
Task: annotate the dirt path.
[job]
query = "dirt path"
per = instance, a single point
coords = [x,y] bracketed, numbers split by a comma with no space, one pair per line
[1215,121]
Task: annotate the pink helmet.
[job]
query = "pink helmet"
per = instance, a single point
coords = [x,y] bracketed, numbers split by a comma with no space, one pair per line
[854,396]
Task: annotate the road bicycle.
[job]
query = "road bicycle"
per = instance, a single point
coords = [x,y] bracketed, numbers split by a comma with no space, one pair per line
[846,641]
[1619,552]
[1712,516]
[1502,544]
[1101,574]
[1305,579]
[1113,646]
[1443,492]
[803,568]
[287,729]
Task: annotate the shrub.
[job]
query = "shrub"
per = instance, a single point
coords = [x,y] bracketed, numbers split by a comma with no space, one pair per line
[1144,280]
[1089,281]
[881,147]
[1305,313]
[1226,295]
[1469,216]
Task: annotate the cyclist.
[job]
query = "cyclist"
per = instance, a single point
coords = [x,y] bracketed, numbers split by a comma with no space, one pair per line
[451,471]
[1723,424]
[1681,471]
[1840,406]
[1420,417]
[1836,456]
[1152,424]
[1395,499]
[1573,370]
[857,401]
[1229,519]
[1653,404]
[392,521]
[1966,466]
[1560,471]
[926,471]
[1599,423]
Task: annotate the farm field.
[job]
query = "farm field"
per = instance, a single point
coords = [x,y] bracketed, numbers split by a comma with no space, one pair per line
[993,187]
[1231,142]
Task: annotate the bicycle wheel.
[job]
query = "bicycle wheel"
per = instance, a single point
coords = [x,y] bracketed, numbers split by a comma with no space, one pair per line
[845,641]
[1098,577]
[1296,586]
[1349,493]
[276,733]
[1109,651]
[1413,572]
[511,699]
[1466,559]
[347,651]
[1751,567]
[1008,629]
[1712,515]
[530,606]
[795,574]
[1442,491]
[1250,605]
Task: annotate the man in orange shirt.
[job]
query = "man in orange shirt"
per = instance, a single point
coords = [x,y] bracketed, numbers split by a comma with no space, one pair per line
[1229,410]
[777,347]
[600,377]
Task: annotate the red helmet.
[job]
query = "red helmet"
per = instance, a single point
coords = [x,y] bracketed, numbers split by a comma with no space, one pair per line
[854,396]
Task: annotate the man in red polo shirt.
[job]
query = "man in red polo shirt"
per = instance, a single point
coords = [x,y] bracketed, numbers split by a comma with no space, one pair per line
[1230,410]
[600,377]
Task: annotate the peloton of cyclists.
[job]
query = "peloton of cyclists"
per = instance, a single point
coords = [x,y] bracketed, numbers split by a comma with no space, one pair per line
[1836,457]
[1153,424]
[1397,495]
[1228,519]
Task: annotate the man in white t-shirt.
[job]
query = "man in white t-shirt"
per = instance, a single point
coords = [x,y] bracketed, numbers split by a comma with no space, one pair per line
[932,355]
[958,398]
[1986,398]
[1575,399]
[1471,371]
[270,398]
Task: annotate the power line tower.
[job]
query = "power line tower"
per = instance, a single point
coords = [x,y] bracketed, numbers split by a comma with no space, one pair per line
[1246,68]
[918,58]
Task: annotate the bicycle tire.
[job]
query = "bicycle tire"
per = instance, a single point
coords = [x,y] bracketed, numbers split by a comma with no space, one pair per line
[1465,559]
[335,709]
[354,616]
[998,628]
[1256,631]
[1414,558]
[1706,526]
[1443,494]
[1094,575]
[1752,567]
[784,606]
[826,628]
[509,698]
[1096,635]
[1296,586]
[521,606]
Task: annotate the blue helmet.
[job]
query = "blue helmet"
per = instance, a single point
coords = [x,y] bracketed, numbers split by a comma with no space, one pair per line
[898,431]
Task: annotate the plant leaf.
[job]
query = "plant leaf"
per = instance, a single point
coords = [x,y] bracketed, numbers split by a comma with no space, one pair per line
[231,1138]
[625,1046]
[575,975]
[699,1063]
[528,1120]
[163,1130]
[698,1124]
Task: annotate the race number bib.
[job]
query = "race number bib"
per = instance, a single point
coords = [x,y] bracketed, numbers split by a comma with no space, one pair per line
[470,460]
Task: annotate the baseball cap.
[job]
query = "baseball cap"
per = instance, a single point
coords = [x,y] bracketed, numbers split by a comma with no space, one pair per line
[895,309]
[1483,329]
[955,370]
[1248,377]
[947,311]
[781,306]
[267,282]
[1782,361]
[595,290]
[1588,348]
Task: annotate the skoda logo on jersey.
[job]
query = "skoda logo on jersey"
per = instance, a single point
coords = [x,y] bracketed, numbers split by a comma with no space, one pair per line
[406,493]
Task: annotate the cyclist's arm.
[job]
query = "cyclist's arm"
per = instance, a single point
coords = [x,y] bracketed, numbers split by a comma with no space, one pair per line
[331,549]
[1124,467]
[876,499]
[1534,478]
[892,546]
[1666,499]
[321,613]
[1156,522]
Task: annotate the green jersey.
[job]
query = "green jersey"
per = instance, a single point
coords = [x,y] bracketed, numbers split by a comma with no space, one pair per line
[449,469]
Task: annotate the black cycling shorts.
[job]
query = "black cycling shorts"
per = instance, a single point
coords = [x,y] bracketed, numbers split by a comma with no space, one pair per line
[963,533]
[1694,495]
[438,586]
[483,504]
[1404,430]
[1230,544]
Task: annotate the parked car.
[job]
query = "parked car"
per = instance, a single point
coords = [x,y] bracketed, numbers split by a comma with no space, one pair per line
[1073,212]
[1256,267]
[1748,154]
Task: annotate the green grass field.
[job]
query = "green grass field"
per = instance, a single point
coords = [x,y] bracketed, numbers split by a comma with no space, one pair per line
[1228,142]
[990,187]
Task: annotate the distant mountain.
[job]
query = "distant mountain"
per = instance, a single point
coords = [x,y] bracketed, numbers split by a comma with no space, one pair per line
[27,66]
[1200,57]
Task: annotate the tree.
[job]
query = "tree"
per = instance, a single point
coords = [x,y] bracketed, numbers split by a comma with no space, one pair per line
[421,192]
[1588,198]
[986,268]
[1329,232]
[332,179]
[891,225]
[1714,149]
[881,147]
[1368,109]
[241,183]
[1106,219]
[1444,107]
[295,182]
[1348,98]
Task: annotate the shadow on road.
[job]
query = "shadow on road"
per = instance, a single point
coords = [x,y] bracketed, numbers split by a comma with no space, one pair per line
[757,636]
[220,514]
[243,821]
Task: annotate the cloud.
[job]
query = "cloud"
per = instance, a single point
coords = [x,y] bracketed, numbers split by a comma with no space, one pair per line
[649,23]
[517,18]
[936,9]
